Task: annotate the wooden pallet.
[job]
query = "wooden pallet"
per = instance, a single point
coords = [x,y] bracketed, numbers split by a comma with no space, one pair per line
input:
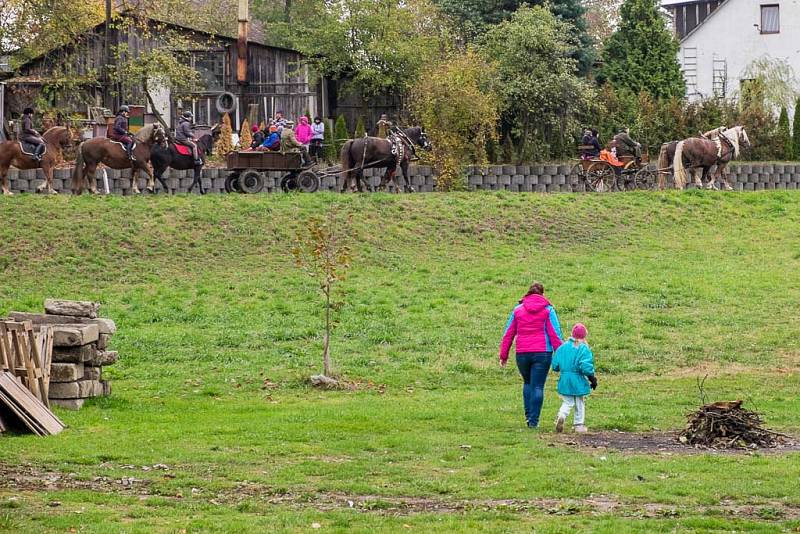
[22,403]
[27,355]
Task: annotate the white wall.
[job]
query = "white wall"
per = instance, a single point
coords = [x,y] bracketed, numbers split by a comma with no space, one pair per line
[729,34]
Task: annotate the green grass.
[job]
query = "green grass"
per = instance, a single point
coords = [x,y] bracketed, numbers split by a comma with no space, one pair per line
[209,305]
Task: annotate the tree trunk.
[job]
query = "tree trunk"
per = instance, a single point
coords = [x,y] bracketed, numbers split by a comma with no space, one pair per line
[326,352]
[156,113]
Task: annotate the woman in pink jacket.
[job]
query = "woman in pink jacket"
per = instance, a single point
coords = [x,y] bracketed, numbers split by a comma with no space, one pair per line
[535,326]
[303,132]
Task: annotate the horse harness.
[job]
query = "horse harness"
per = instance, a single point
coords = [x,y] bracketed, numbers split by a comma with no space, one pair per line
[400,144]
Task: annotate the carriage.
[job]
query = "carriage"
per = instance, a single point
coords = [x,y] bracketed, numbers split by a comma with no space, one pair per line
[598,175]
[248,172]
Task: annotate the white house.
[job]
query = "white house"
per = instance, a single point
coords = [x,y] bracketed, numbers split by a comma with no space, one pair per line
[720,38]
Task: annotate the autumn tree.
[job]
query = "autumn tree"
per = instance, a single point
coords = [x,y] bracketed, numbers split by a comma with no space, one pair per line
[225,142]
[322,252]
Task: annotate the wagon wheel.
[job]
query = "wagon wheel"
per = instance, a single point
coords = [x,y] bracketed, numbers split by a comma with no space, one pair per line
[229,180]
[626,181]
[601,177]
[646,179]
[308,182]
[577,176]
[251,181]
[289,182]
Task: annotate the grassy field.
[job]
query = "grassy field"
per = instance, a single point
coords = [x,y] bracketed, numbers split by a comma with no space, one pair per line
[218,332]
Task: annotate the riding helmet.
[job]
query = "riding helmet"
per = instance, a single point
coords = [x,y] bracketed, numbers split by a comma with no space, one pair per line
[188,115]
[124,109]
[27,111]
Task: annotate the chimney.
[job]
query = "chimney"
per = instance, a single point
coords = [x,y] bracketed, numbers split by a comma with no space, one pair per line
[241,45]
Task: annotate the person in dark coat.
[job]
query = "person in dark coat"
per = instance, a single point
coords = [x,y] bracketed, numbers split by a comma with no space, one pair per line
[119,131]
[258,137]
[627,144]
[184,135]
[30,135]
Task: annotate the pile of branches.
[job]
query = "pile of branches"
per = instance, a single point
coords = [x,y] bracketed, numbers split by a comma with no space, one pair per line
[726,425]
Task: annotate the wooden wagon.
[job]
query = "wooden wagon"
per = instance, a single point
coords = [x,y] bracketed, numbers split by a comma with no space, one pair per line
[600,176]
[247,171]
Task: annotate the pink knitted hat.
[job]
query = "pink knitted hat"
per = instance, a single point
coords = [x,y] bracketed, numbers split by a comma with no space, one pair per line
[579,331]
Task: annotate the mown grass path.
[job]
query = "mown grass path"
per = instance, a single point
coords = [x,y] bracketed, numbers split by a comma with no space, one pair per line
[218,332]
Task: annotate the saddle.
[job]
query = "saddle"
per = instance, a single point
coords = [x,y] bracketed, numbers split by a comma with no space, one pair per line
[183,150]
[30,148]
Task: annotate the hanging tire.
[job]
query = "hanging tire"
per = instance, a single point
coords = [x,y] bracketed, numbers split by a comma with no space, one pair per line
[308,182]
[226,102]
[251,181]
[289,183]
[232,177]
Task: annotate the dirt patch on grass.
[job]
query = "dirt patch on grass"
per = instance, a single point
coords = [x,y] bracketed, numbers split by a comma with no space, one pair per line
[665,443]
[28,479]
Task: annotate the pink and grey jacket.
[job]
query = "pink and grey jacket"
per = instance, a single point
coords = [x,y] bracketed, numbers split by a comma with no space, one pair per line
[535,325]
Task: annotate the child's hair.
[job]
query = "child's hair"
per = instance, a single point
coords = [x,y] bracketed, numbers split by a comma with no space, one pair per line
[536,289]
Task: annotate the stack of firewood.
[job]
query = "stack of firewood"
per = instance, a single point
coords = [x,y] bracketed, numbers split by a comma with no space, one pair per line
[80,350]
[726,425]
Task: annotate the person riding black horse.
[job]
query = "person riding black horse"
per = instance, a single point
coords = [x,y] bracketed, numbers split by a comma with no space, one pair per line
[119,131]
[30,135]
[185,136]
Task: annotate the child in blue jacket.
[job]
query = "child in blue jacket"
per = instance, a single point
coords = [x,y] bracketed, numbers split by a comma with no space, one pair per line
[575,362]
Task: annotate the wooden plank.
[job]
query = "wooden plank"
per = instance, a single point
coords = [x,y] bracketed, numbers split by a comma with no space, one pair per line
[3,424]
[22,353]
[20,413]
[30,404]
[36,359]
[5,349]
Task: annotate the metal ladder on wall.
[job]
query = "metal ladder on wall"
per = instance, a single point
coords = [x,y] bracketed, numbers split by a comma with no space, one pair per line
[720,77]
[690,70]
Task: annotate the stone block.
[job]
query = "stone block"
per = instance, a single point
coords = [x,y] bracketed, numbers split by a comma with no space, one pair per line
[27,174]
[475,179]
[552,170]
[66,372]
[509,170]
[185,182]
[560,179]
[58,184]
[92,373]
[82,389]
[62,174]
[104,325]
[103,341]
[68,404]
[72,308]
[523,169]
[490,179]
[541,188]
[13,174]
[531,179]
[124,183]
[564,169]
[101,358]
[504,179]
[518,179]
[74,354]
[495,170]
[546,179]
[74,335]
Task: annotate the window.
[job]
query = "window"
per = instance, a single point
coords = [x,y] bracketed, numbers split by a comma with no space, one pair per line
[770,19]
[211,68]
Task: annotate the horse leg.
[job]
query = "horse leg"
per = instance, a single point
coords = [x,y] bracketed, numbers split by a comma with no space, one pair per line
[89,178]
[384,181]
[4,180]
[48,179]
[160,176]
[698,181]
[407,187]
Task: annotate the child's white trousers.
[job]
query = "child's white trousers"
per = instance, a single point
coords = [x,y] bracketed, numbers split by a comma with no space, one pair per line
[570,401]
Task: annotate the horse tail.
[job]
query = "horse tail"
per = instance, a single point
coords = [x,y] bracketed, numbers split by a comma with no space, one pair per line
[78,172]
[663,165]
[679,169]
[347,162]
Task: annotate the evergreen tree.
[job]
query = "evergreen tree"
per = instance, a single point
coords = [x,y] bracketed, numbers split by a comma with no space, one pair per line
[340,133]
[796,131]
[225,142]
[329,146]
[361,131]
[642,55]
[245,136]
[784,134]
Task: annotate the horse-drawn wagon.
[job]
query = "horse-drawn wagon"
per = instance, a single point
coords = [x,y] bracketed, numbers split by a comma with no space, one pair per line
[247,171]
[601,176]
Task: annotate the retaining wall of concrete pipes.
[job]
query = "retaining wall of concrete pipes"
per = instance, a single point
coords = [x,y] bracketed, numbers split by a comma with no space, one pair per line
[542,178]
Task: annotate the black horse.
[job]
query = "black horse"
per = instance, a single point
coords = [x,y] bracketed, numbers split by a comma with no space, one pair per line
[162,157]
[375,152]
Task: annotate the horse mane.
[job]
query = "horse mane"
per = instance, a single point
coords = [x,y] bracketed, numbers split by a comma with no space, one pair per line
[733,139]
[145,133]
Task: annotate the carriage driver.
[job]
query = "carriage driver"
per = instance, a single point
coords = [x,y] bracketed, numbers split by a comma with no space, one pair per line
[289,143]
[29,135]
[632,147]
[184,136]
[119,131]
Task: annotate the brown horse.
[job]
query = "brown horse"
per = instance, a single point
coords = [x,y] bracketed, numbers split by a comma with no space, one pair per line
[56,139]
[112,154]
[697,153]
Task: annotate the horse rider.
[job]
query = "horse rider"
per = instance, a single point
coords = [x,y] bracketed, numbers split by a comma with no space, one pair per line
[289,143]
[119,131]
[383,126]
[184,135]
[30,135]
[626,142]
